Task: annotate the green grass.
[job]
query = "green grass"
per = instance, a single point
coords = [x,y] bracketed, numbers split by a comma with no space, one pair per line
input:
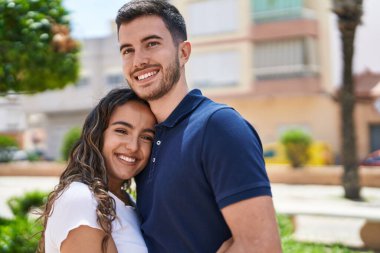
[20,234]
[289,245]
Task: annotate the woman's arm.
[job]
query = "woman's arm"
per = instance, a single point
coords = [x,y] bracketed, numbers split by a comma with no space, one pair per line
[85,239]
[225,246]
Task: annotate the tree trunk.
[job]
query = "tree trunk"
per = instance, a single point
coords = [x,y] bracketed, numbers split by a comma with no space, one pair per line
[349,14]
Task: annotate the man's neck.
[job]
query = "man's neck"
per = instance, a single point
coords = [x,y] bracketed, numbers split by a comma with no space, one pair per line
[165,105]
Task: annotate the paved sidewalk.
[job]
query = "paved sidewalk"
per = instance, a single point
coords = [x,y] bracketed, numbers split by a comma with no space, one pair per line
[310,228]
[332,229]
[16,186]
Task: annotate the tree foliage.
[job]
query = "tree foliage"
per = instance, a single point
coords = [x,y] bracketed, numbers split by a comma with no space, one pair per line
[6,145]
[69,140]
[36,51]
[349,13]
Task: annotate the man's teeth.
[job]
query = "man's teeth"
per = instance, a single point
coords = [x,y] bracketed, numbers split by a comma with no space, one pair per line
[127,158]
[142,77]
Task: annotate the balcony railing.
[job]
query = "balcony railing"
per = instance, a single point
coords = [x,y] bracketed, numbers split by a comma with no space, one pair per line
[277,10]
[290,71]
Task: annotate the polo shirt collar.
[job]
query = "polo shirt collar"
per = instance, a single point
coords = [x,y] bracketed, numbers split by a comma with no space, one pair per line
[186,106]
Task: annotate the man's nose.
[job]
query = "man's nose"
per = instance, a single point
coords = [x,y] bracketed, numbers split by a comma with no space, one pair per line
[141,59]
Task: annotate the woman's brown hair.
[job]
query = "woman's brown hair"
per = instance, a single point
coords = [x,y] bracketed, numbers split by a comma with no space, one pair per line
[86,164]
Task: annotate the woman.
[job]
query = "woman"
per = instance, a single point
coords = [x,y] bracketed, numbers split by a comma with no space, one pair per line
[89,210]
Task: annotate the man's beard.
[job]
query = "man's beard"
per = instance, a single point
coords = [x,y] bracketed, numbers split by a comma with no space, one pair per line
[170,78]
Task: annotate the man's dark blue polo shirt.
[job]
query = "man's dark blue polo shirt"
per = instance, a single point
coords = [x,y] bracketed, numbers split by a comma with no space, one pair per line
[205,157]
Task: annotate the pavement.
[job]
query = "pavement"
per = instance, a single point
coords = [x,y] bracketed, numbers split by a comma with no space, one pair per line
[327,199]
[309,228]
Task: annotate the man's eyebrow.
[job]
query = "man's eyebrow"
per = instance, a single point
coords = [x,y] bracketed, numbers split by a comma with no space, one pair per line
[124,45]
[149,37]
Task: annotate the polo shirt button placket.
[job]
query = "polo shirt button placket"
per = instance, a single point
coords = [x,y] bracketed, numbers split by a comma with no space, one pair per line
[151,173]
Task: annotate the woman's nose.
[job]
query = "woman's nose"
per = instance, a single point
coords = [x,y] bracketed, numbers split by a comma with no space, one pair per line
[132,145]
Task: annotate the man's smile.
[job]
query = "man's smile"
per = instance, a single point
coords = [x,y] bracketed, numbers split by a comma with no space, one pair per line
[145,76]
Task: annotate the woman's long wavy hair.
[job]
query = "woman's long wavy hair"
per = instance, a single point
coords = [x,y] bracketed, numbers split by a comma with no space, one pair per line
[86,164]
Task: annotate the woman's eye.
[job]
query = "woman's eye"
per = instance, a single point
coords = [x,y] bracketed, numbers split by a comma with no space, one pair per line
[147,138]
[121,131]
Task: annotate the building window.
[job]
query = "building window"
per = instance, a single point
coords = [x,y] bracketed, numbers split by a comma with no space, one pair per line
[285,58]
[214,69]
[277,10]
[115,80]
[213,17]
[374,137]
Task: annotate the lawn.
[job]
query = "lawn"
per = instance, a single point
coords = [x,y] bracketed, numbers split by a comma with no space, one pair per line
[289,245]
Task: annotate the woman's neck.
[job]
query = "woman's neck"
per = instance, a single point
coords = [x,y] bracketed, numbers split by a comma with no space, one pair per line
[118,190]
[123,196]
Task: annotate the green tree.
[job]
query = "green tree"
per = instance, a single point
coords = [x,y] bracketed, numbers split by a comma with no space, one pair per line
[36,51]
[69,140]
[296,144]
[349,14]
[6,145]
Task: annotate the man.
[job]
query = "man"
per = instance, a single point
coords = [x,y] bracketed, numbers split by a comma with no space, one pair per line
[206,180]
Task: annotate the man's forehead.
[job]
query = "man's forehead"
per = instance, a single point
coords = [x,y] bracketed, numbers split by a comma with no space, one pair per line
[144,23]
[142,27]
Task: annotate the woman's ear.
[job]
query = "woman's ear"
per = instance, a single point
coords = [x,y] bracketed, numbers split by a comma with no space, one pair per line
[184,51]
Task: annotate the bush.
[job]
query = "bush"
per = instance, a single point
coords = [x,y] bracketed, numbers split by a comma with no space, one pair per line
[7,143]
[296,143]
[21,234]
[69,140]
[21,206]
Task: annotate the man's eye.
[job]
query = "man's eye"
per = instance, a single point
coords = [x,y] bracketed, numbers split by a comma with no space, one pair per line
[127,51]
[152,43]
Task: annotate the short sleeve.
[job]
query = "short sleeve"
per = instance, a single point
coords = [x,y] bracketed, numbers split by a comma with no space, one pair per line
[75,207]
[232,158]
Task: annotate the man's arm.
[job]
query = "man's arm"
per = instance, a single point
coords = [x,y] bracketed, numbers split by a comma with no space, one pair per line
[253,226]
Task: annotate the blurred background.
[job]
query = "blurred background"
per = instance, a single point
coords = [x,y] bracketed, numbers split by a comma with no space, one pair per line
[280,63]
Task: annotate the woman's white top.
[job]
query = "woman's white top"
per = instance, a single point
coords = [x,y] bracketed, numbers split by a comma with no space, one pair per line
[77,206]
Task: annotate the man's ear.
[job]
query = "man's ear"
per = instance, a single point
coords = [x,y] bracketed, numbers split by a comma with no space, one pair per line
[184,51]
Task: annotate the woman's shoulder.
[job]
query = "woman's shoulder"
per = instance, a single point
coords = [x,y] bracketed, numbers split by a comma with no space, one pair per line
[74,207]
[77,193]
[78,188]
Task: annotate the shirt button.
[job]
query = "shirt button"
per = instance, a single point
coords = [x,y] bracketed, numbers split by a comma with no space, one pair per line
[154,159]
[158,143]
